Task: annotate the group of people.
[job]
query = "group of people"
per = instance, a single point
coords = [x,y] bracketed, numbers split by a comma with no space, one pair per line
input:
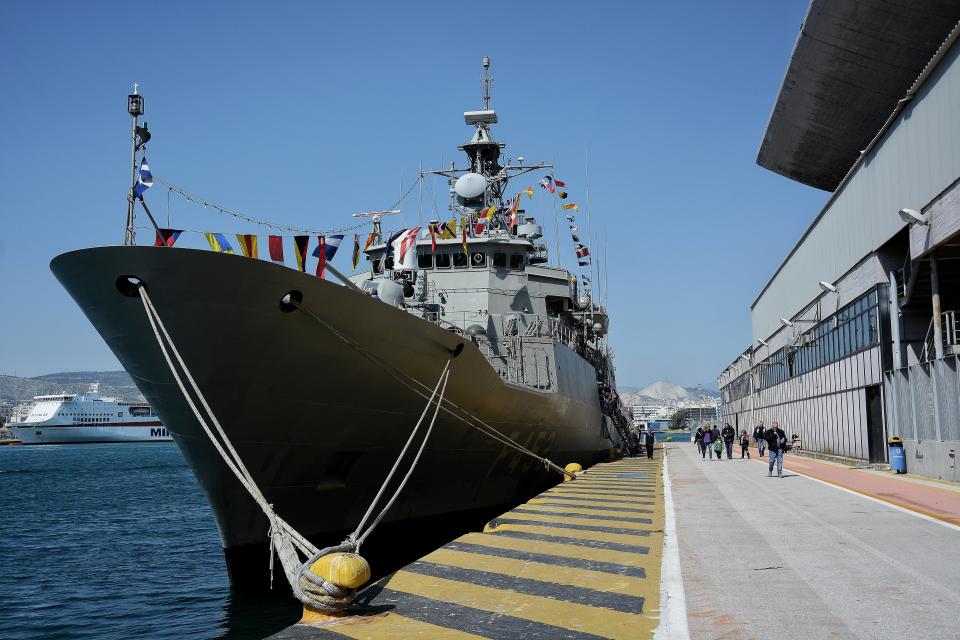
[633,442]
[713,441]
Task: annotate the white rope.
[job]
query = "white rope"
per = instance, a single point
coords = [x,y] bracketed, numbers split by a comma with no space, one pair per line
[355,536]
[284,539]
[466,418]
[445,376]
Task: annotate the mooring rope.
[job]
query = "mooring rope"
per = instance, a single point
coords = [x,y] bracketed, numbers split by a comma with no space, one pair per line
[312,590]
[403,378]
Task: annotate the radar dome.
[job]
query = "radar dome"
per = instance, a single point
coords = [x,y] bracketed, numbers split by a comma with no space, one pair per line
[470,185]
[391,292]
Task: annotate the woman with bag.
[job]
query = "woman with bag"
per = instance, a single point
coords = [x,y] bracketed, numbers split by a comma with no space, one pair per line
[705,441]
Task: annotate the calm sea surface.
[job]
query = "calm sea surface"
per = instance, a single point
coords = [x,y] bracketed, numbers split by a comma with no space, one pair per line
[116,541]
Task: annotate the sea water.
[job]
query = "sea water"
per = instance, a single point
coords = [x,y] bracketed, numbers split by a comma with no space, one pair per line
[115,541]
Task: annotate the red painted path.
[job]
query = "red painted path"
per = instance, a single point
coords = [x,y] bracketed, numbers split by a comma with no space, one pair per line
[935,502]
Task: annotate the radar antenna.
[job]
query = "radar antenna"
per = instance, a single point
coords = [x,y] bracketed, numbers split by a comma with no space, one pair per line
[376,216]
[486,80]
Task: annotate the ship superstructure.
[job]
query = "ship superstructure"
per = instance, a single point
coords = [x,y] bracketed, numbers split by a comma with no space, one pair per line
[317,384]
[87,418]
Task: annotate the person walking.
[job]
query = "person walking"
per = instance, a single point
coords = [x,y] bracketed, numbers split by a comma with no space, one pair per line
[705,441]
[632,444]
[729,435]
[776,443]
[758,437]
[698,439]
[648,439]
[744,444]
[717,440]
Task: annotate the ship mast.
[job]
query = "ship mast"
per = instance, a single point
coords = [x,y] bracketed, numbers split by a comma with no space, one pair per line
[135,109]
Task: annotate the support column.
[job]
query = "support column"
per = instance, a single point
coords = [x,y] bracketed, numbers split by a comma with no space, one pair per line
[895,321]
[937,315]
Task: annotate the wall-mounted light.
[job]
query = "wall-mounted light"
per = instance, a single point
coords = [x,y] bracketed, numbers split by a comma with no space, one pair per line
[827,287]
[763,342]
[912,216]
[786,322]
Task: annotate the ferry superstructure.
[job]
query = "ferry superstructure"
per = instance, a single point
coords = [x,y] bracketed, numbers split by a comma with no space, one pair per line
[88,418]
[316,382]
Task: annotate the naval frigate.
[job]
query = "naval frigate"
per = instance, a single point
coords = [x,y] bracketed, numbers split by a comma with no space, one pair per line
[311,378]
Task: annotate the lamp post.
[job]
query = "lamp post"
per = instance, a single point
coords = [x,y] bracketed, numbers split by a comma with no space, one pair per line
[135,109]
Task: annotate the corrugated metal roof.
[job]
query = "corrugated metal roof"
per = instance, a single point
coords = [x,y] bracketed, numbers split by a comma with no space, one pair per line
[852,61]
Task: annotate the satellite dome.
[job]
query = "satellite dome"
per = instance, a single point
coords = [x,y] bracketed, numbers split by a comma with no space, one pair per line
[476,330]
[470,185]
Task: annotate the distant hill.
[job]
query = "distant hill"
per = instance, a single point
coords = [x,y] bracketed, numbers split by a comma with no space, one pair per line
[112,383]
[663,392]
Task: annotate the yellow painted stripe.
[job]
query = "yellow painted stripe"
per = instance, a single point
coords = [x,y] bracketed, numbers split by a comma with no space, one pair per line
[587,512]
[596,493]
[550,519]
[568,615]
[636,486]
[625,558]
[599,536]
[586,502]
[397,627]
[558,574]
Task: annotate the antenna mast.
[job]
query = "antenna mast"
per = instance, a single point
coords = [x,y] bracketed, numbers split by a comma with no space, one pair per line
[486,80]
[135,109]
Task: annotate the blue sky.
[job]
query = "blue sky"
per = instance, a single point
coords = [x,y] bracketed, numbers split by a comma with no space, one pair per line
[306,112]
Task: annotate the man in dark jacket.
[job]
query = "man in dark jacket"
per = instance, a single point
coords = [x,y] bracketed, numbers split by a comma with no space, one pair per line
[698,440]
[758,437]
[648,440]
[729,435]
[777,442]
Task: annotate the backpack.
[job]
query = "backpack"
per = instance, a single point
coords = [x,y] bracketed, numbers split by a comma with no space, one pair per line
[717,446]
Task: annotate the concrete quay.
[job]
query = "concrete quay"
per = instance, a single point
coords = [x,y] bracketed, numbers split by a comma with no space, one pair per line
[827,551]
[581,560]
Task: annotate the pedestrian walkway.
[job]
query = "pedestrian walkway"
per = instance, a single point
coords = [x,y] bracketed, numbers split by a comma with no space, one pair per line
[581,560]
[936,501]
[795,557]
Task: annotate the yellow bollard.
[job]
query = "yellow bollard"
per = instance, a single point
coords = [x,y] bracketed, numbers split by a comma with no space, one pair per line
[573,468]
[346,570]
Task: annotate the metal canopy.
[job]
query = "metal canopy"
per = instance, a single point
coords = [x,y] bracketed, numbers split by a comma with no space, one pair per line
[852,61]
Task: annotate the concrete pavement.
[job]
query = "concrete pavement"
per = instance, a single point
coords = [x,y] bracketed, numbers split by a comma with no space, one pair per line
[797,558]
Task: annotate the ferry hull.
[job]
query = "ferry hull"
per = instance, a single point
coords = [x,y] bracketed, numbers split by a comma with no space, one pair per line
[319,410]
[67,434]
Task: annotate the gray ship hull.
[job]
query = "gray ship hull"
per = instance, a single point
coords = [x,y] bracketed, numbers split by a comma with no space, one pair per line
[316,416]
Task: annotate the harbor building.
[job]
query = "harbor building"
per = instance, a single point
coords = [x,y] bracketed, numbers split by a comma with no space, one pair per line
[856,335]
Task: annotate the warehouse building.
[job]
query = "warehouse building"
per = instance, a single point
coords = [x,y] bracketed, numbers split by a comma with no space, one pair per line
[857,333]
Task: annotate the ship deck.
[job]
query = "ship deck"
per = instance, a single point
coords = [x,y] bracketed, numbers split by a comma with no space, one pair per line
[581,560]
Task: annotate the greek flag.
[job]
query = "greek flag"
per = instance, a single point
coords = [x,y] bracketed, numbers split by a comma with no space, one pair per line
[332,243]
[144,179]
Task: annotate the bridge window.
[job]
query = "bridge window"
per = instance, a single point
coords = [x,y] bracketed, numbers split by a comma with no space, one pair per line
[516,261]
[500,260]
[443,260]
[460,261]
[425,261]
[478,259]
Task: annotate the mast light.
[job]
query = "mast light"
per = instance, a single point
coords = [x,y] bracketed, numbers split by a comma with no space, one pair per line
[135,102]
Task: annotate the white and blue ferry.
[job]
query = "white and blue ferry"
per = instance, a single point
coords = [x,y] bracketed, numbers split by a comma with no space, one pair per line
[88,418]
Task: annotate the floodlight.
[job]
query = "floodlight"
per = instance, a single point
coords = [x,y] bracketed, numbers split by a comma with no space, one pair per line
[762,342]
[743,356]
[827,287]
[912,216]
[786,322]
